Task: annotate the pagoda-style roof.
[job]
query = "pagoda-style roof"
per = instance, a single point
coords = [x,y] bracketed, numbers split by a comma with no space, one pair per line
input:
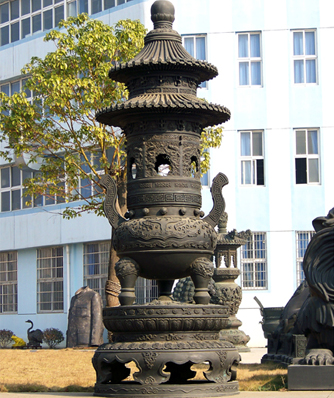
[210,114]
[163,58]
[163,51]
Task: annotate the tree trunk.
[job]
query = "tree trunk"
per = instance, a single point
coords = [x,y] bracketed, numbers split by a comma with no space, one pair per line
[113,285]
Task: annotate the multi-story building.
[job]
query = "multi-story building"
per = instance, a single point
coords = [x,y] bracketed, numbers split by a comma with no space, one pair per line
[274,61]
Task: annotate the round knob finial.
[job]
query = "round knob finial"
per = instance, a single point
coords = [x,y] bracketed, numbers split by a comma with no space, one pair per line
[162,11]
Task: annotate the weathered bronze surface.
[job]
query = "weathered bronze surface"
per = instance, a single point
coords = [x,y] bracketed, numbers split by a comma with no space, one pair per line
[164,234]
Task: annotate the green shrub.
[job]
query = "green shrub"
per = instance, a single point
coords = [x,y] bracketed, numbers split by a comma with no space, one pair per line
[52,337]
[5,337]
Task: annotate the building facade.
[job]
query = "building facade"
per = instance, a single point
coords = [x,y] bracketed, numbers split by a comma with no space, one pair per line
[274,63]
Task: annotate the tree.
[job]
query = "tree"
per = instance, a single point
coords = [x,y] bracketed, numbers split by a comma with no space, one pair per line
[58,124]
[55,124]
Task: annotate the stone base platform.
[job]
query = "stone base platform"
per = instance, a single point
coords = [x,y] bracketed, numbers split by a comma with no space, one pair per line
[164,340]
[308,377]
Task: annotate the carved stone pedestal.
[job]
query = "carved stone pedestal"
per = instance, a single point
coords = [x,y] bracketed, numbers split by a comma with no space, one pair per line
[165,339]
[230,294]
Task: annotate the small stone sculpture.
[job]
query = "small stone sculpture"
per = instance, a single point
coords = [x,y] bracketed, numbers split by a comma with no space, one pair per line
[85,327]
[35,337]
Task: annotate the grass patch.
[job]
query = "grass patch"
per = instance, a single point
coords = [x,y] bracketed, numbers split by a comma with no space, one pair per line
[71,370]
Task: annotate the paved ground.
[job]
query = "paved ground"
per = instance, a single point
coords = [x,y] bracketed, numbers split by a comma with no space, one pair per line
[254,356]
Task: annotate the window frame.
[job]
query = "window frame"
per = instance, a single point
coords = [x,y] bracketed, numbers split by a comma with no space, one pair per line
[100,278]
[250,59]
[55,4]
[8,282]
[48,260]
[251,282]
[307,156]
[203,85]
[253,159]
[300,252]
[305,57]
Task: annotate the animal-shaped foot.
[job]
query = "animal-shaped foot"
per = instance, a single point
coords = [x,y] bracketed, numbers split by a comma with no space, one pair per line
[319,356]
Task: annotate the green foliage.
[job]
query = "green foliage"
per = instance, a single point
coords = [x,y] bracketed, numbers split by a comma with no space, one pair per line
[52,337]
[211,137]
[69,85]
[5,338]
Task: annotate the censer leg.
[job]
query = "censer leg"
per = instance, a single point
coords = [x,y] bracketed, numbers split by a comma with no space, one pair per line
[201,271]
[127,271]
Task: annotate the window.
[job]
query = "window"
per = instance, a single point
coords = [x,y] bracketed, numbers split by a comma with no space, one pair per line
[254,262]
[50,279]
[302,240]
[307,156]
[22,18]
[146,290]
[8,282]
[96,262]
[304,56]
[196,47]
[249,59]
[12,190]
[252,158]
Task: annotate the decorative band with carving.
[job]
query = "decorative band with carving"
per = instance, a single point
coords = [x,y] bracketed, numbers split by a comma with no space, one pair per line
[174,232]
[172,198]
[170,345]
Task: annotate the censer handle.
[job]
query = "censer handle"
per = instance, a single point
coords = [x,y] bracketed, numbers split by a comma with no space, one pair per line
[109,205]
[218,201]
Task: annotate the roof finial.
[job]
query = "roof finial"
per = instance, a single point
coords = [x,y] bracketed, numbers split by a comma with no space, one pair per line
[162,14]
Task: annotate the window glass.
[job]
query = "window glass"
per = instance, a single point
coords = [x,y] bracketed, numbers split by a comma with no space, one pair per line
[83,6]
[96,6]
[298,43]
[120,2]
[109,4]
[16,199]
[14,9]
[243,46]
[256,73]
[36,23]
[26,200]
[58,1]
[72,9]
[15,32]
[300,142]
[244,73]
[16,176]
[59,14]
[36,5]
[245,144]
[313,169]
[5,201]
[310,43]
[25,7]
[47,3]
[4,32]
[25,27]
[5,177]
[257,144]
[4,13]
[15,87]
[255,45]
[312,141]
[47,20]
[310,71]
[189,45]
[200,48]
